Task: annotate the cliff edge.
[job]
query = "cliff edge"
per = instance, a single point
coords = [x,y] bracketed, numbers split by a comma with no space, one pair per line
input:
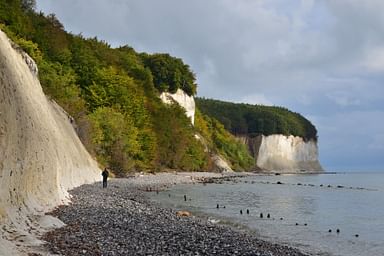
[219,163]
[282,153]
[183,99]
[41,156]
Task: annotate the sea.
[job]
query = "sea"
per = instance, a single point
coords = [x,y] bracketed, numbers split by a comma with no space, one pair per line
[321,214]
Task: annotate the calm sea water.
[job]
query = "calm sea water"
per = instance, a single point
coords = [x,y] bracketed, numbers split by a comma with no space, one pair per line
[350,202]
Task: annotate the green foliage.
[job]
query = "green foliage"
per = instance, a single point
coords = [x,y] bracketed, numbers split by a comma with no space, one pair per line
[14,16]
[60,83]
[83,61]
[109,88]
[180,149]
[113,94]
[116,89]
[257,119]
[222,142]
[26,45]
[170,73]
[28,5]
[115,138]
[49,34]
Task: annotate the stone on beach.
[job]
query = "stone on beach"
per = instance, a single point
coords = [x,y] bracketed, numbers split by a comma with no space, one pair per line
[183,214]
[122,221]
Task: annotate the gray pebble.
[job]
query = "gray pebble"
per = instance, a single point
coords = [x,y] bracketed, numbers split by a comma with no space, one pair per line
[120,220]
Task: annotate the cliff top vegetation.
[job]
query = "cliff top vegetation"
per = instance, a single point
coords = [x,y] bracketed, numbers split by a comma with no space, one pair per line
[242,119]
[113,94]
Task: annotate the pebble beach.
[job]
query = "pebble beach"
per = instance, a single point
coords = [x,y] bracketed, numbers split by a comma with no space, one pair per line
[120,220]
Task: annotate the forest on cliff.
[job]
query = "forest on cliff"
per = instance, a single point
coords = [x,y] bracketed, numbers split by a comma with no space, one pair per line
[253,120]
[113,96]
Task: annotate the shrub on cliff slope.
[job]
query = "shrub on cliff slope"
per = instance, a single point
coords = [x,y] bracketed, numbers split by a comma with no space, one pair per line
[221,142]
[112,93]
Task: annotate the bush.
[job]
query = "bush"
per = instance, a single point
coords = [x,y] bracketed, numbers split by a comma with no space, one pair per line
[115,138]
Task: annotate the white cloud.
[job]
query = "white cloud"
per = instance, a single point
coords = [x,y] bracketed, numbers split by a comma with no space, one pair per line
[344,98]
[316,57]
[353,138]
[377,142]
[374,60]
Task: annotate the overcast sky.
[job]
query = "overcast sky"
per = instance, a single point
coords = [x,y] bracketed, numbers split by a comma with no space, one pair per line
[323,59]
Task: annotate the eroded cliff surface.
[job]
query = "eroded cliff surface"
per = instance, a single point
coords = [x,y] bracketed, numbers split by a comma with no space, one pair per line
[41,157]
[183,99]
[283,153]
[219,163]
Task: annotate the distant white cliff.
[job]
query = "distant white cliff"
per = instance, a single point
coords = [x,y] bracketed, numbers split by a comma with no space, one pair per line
[183,99]
[284,153]
[41,157]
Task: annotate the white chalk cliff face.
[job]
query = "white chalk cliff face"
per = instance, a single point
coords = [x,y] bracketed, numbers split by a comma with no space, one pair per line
[183,99]
[287,154]
[41,157]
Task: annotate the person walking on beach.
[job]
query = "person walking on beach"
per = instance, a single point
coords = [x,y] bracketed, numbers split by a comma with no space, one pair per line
[105,175]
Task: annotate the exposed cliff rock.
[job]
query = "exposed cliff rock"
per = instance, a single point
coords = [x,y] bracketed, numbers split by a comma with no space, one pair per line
[219,164]
[183,99]
[41,156]
[283,153]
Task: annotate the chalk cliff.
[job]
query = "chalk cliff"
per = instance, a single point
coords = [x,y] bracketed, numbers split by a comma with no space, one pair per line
[41,157]
[219,164]
[183,99]
[283,153]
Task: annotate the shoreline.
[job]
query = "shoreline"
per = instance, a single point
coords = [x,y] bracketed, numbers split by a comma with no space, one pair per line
[121,220]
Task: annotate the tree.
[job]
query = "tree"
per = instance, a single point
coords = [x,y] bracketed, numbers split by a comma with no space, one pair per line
[257,119]
[115,137]
[170,73]
[113,94]
[28,5]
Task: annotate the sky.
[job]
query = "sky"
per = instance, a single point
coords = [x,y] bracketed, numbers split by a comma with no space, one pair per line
[321,58]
